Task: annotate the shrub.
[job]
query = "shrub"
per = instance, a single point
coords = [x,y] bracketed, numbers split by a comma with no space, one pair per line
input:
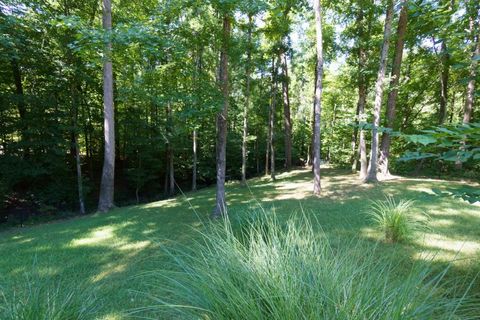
[292,273]
[38,299]
[396,220]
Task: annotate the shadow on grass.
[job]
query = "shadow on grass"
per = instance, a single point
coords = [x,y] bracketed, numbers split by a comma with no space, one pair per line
[111,250]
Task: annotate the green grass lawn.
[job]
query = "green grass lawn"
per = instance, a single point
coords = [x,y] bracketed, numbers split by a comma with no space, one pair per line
[110,255]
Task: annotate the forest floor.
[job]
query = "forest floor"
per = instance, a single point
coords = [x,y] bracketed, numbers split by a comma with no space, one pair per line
[110,255]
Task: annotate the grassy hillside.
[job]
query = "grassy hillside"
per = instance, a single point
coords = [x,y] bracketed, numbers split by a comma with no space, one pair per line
[107,257]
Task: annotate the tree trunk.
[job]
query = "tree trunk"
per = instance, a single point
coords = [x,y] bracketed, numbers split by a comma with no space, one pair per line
[393,94]
[445,61]
[105,202]
[169,167]
[312,140]
[372,168]
[353,142]
[221,145]
[318,98]
[272,119]
[469,99]
[194,165]
[362,98]
[286,115]
[76,148]
[468,108]
[247,102]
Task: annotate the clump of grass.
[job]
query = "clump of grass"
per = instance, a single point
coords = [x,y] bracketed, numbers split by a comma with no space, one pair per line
[37,299]
[291,272]
[397,220]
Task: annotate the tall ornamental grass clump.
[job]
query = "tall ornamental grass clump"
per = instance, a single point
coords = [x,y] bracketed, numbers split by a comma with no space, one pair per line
[289,271]
[40,299]
[396,220]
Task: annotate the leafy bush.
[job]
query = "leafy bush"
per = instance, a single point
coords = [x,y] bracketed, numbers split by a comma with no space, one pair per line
[38,299]
[292,273]
[396,220]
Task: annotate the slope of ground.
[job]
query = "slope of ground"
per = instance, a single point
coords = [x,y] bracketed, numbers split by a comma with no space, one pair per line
[110,254]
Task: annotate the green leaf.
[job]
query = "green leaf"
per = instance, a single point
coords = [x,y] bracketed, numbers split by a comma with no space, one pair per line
[422,139]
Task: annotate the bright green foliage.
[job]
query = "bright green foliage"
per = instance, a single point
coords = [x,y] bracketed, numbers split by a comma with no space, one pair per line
[449,143]
[289,271]
[397,220]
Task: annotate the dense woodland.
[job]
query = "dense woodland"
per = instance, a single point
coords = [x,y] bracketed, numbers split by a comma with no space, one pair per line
[132,101]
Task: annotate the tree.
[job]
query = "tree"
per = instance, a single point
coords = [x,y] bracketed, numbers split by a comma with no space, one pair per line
[105,202]
[247,99]
[221,145]
[271,118]
[469,99]
[318,98]
[372,168]
[362,94]
[393,94]
[287,121]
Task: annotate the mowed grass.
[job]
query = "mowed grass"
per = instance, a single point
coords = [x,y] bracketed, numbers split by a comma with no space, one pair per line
[109,256]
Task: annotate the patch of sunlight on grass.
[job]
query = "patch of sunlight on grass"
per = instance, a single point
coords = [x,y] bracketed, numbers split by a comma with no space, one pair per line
[444,243]
[110,269]
[442,222]
[169,203]
[112,316]
[140,245]
[294,190]
[99,235]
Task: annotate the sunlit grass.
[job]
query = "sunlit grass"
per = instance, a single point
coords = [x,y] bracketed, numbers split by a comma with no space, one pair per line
[110,251]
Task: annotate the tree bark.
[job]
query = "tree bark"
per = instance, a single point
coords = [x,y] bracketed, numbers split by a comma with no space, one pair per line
[469,99]
[470,95]
[169,170]
[393,94]
[76,148]
[247,102]
[372,168]
[272,119]
[362,97]
[194,164]
[318,98]
[353,142]
[221,145]
[445,60]
[286,114]
[105,202]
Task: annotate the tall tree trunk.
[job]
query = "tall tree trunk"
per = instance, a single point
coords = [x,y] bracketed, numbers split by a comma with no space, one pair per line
[105,202]
[468,108]
[194,165]
[445,61]
[318,98]
[22,109]
[372,168]
[312,140]
[221,145]
[353,142]
[247,102]
[78,163]
[393,94]
[169,164]
[272,119]
[257,156]
[286,114]
[362,96]
[469,98]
